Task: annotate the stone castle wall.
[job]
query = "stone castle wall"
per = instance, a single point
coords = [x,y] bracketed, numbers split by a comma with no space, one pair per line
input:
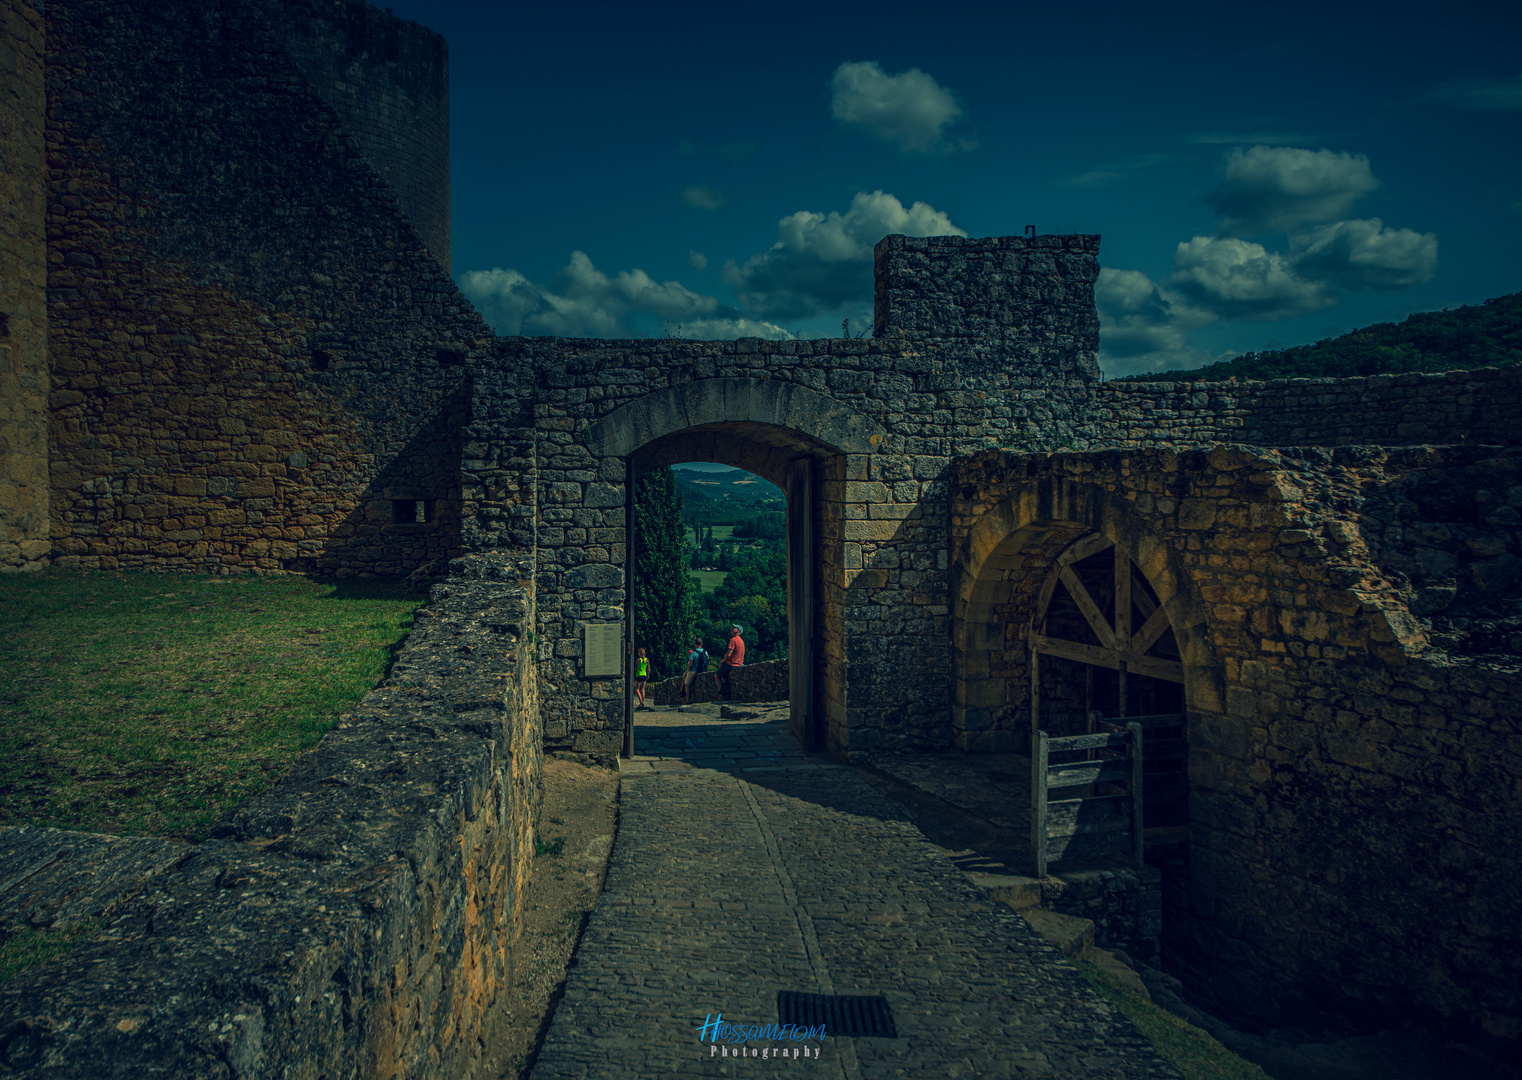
[1352,778]
[24,521]
[360,918]
[1479,407]
[256,364]
[879,419]
[389,81]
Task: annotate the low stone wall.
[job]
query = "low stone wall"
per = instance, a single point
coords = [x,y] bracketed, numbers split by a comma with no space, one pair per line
[356,920]
[767,681]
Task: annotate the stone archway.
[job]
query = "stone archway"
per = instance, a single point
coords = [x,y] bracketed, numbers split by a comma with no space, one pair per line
[800,440]
[1012,556]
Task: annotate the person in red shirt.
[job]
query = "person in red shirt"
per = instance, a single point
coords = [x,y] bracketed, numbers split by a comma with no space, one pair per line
[732,659]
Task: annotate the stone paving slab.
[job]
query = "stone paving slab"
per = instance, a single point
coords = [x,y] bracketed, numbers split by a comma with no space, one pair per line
[726,886]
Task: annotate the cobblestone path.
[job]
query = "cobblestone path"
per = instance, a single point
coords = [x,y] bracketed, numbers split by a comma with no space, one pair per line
[743,867]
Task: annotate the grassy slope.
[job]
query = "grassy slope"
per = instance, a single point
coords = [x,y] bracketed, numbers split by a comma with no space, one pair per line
[1473,336]
[1194,1053]
[141,704]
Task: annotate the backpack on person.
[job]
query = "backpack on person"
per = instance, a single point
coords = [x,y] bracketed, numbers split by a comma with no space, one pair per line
[702,659]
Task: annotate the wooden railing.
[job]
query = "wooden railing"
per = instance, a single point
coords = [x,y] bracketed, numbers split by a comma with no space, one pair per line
[1093,825]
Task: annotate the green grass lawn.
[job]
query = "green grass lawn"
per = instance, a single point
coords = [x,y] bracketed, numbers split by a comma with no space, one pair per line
[1194,1053]
[711,579]
[148,704]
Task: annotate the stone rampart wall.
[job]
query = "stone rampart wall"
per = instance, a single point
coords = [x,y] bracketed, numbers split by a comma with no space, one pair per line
[1352,842]
[389,80]
[1478,407]
[24,523]
[256,364]
[358,919]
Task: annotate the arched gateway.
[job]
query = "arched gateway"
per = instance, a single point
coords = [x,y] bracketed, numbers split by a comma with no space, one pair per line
[976,342]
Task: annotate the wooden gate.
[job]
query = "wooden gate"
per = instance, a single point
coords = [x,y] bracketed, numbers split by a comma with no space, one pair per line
[1092,825]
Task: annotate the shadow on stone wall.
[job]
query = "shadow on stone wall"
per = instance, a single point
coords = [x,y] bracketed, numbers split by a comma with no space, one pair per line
[422,480]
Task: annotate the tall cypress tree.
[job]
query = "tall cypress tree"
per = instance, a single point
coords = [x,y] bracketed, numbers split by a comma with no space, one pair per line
[663,615]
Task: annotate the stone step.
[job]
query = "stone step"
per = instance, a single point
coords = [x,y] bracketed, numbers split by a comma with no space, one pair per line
[1073,937]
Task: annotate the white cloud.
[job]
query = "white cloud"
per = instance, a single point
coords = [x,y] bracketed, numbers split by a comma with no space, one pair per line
[821,262]
[1363,254]
[703,197]
[1116,170]
[1279,188]
[1504,95]
[1257,138]
[585,302]
[697,260]
[1238,279]
[1144,326]
[910,110]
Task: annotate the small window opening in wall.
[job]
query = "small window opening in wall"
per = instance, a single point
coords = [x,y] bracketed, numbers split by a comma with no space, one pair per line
[321,360]
[413,511]
[5,325]
[450,358]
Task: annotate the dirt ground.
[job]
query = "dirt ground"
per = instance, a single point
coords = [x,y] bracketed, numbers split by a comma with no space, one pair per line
[576,830]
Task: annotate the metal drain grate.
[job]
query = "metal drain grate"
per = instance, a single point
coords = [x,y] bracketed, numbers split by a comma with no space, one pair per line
[839,1015]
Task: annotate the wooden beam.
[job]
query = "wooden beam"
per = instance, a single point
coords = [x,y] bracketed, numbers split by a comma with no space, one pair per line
[1097,622]
[1151,630]
[1122,595]
[1092,544]
[1074,650]
[1155,668]
[1038,804]
[1150,666]
[1044,600]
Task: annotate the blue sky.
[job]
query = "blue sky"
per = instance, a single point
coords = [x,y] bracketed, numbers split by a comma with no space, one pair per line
[1261,175]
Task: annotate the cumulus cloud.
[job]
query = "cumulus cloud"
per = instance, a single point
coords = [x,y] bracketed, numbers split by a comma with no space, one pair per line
[1238,279]
[1484,94]
[910,110]
[822,262]
[1279,188]
[1144,326]
[1299,193]
[697,260]
[585,302]
[703,197]
[1364,254]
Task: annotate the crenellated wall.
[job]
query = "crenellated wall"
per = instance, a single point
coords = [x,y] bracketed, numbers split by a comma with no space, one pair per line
[24,496]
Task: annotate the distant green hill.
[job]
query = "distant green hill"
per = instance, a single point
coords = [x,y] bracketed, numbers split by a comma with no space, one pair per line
[1473,336]
[710,497]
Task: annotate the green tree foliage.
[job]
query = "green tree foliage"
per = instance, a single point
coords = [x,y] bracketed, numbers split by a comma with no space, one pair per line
[754,595]
[768,526]
[663,610]
[1473,336]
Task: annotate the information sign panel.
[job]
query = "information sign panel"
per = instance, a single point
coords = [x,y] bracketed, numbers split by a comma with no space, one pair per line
[602,650]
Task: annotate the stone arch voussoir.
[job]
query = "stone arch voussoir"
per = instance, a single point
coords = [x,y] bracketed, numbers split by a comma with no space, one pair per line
[715,402]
